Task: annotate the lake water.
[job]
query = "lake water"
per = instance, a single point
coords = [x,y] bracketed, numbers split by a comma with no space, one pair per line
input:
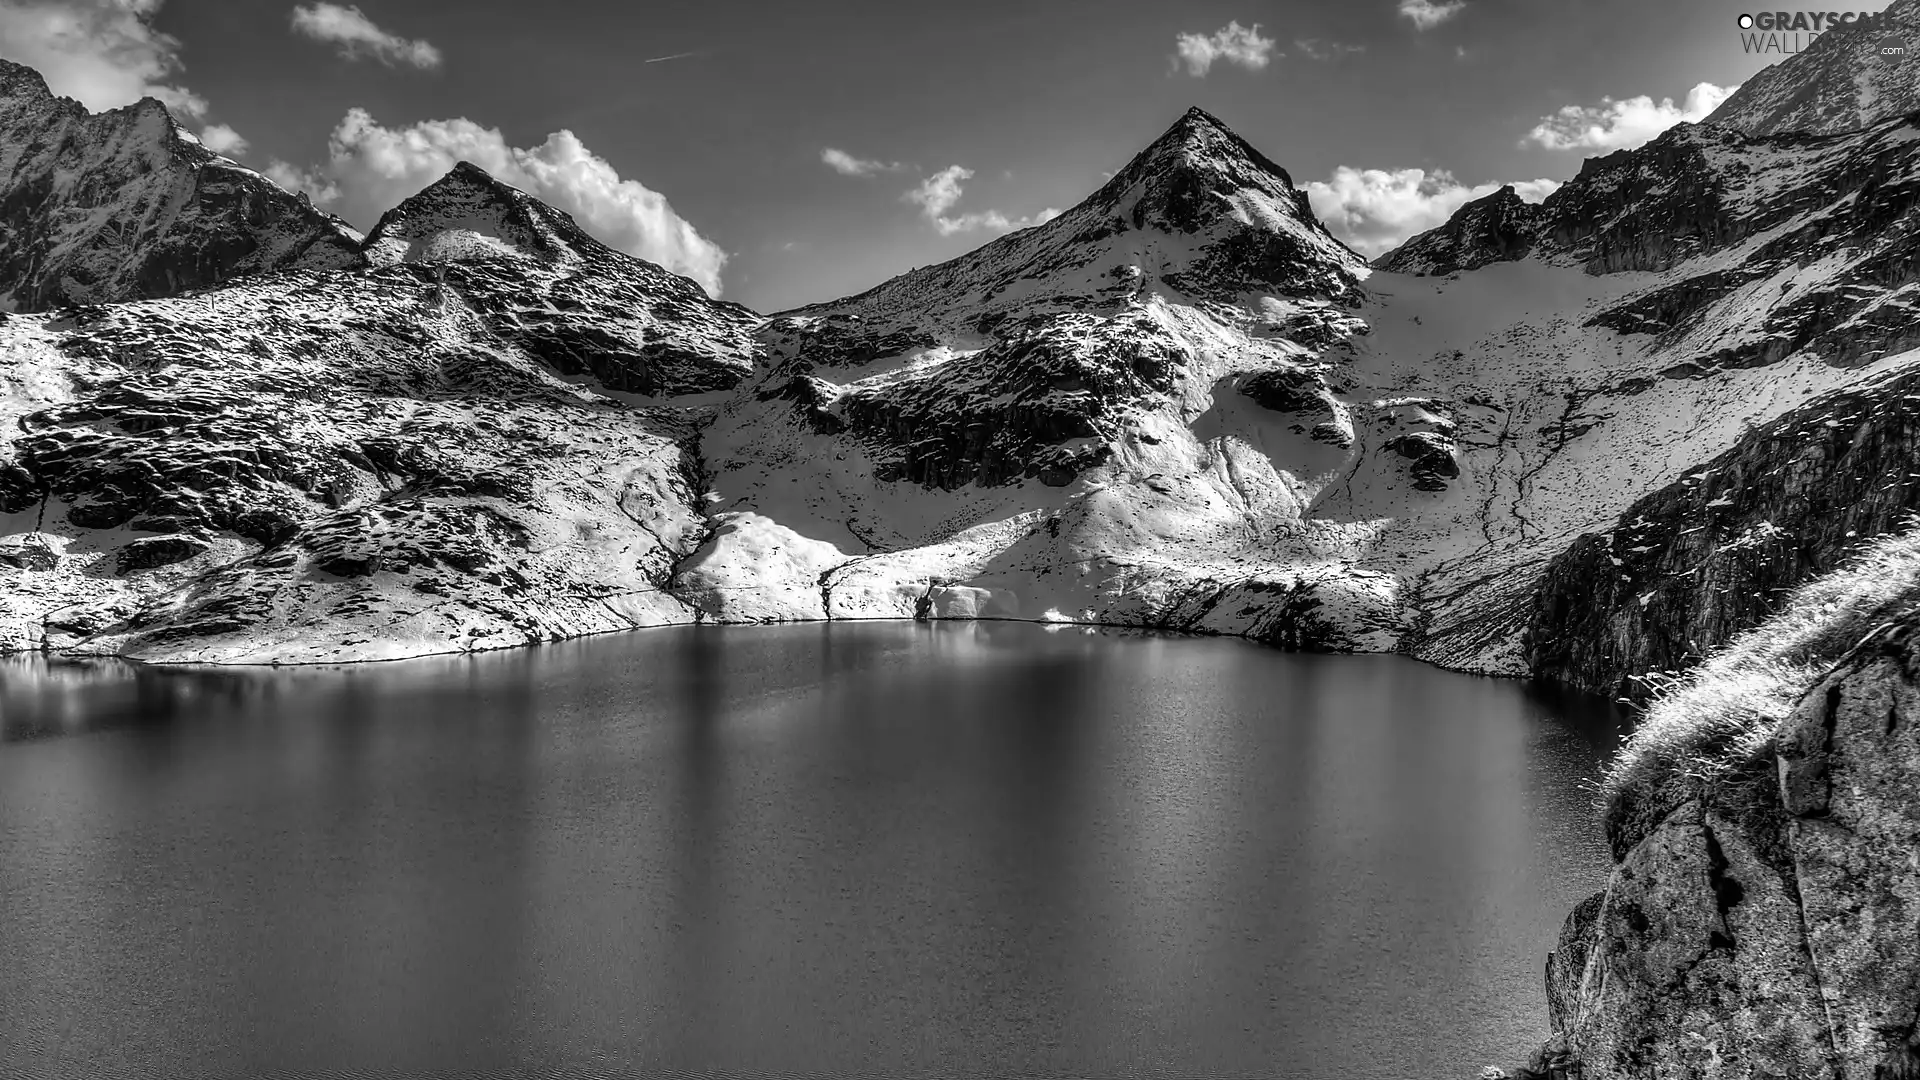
[969,850]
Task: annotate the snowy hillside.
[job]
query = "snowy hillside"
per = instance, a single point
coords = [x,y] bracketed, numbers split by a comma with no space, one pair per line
[1180,404]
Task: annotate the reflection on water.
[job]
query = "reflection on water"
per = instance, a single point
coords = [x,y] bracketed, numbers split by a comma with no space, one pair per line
[957,849]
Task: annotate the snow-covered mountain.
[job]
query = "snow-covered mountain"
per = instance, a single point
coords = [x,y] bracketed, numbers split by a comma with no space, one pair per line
[128,204]
[1181,404]
[1840,82]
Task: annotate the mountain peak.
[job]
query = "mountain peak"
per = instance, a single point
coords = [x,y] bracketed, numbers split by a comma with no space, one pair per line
[471,214]
[128,204]
[21,81]
[1497,227]
[1201,140]
[1199,214]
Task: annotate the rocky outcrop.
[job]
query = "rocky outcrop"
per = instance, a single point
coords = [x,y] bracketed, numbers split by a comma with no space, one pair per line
[1495,228]
[126,204]
[1687,567]
[543,286]
[1766,925]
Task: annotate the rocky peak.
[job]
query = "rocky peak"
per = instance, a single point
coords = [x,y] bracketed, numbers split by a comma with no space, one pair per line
[1198,215]
[1839,82]
[1189,174]
[1495,228]
[468,214]
[126,204]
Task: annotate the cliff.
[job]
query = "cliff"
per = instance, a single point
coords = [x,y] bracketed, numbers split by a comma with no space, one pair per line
[1762,916]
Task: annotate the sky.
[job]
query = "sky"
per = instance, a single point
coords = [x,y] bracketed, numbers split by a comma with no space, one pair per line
[784,154]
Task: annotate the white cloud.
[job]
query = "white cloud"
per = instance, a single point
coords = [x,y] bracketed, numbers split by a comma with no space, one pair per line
[1427,14]
[222,139]
[1623,125]
[938,194]
[847,165]
[1232,43]
[293,178]
[1376,210]
[371,168]
[1317,49]
[102,53]
[357,36]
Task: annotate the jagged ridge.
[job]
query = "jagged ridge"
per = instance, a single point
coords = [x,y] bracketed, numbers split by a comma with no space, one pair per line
[126,204]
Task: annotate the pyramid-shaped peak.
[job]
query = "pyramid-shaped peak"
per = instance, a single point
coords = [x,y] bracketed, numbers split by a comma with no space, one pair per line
[470,214]
[1199,150]
[468,171]
[1196,170]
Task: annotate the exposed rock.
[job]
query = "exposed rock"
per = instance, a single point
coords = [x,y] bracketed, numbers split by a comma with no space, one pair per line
[1494,228]
[30,554]
[127,204]
[152,551]
[1687,567]
[1766,927]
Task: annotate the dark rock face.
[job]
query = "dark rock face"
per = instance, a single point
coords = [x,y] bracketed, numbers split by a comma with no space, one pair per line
[151,551]
[1644,209]
[1691,565]
[125,205]
[1766,926]
[1430,459]
[1040,406]
[1497,228]
[27,556]
[543,285]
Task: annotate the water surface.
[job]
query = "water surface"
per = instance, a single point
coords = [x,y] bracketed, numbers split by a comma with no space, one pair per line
[970,850]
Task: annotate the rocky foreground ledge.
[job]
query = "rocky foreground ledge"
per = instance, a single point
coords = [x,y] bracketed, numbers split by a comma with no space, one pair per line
[1763,915]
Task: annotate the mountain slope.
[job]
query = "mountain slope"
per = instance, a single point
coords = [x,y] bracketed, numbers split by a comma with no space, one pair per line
[1066,424]
[127,204]
[1839,82]
[492,449]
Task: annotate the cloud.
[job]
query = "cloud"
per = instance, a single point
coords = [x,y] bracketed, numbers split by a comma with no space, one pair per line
[1316,49]
[1427,14]
[1623,125]
[847,165]
[1376,210]
[316,186]
[939,193]
[370,168]
[1232,43]
[222,139]
[102,53]
[357,36]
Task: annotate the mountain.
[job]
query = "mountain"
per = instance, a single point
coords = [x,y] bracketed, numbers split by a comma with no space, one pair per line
[127,204]
[404,456]
[1065,424]
[1840,82]
[1780,263]
[1181,404]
